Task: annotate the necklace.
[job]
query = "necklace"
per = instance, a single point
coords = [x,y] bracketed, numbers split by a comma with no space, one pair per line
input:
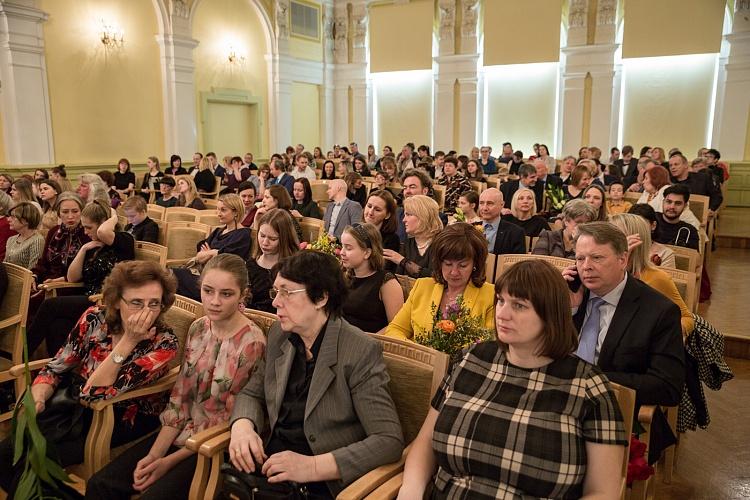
[424,245]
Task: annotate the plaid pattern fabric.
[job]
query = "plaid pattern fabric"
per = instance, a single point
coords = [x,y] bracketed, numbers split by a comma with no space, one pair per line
[507,432]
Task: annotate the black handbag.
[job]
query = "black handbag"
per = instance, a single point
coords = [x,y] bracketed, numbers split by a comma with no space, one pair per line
[239,485]
[64,417]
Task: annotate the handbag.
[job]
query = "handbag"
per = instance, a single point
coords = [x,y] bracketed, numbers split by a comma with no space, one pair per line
[239,485]
[64,417]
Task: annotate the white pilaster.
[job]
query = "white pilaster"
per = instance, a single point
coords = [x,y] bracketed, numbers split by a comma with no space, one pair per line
[24,100]
[178,75]
[448,71]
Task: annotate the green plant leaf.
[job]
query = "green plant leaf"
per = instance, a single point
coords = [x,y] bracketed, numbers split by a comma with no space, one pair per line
[27,484]
[56,471]
[38,465]
[19,423]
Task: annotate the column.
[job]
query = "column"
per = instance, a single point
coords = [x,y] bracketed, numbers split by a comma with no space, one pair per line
[732,111]
[24,100]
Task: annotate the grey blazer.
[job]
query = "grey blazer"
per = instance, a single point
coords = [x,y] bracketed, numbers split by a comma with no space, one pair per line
[349,410]
[350,212]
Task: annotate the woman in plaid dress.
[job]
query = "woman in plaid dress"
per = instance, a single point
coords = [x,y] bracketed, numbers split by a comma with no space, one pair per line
[521,416]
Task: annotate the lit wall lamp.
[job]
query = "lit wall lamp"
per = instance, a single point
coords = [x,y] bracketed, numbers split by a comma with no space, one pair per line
[235,56]
[111,36]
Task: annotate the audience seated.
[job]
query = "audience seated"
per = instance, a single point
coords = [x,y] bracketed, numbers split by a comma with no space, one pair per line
[671,228]
[124,179]
[234,174]
[455,184]
[6,202]
[348,424]
[355,188]
[458,257]
[303,204]
[166,187]
[114,348]
[381,211]
[414,182]
[559,242]
[329,171]
[6,182]
[175,166]
[60,176]
[277,197]
[468,202]
[140,225]
[25,247]
[49,190]
[277,240]
[557,452]
[187,193]
[278,175]
[627,167]
[422,223]
[151,178]
[341,211]
[205,180]
[523,213]
[579,181]
[231,238]
[221,351]
[527,179]
[109,183]
[375,295]
[628,329]
[90,267]
[596,196]
[638,234]
[616,203]
[502,237]
[473,171]
[22,190]
[698,182]
[660,255]
[248,194]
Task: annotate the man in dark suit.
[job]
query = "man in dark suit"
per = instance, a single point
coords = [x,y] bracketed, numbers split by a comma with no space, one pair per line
[631,331]
[627,167]
[698,182]
[281,177]
[502,237]
[527,179]
[543,178]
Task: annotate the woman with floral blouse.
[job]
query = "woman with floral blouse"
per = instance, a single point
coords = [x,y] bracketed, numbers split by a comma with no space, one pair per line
[114,348]
[220,354]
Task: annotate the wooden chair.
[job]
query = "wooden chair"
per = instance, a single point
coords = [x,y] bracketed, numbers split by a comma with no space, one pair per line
[311,228]
[626,400]
[439,195]
[699,206]
[687,259]
[478,186]
[493,181]
[183,214]
[685,282]
[51,289]
[208,217]
[151,251]
[509,259]
[319,190]
[263,319]
[179,317]
[122,220]
[155,212]
[211,203]
[13,311]
[407,283]
[182,240]
[632,197]
[415,374]
[490,270]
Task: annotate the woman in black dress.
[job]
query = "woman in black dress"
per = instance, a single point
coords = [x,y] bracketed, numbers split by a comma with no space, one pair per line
[124,178]
[381,211]
[375,295]
[356,191]
[303,205]
[422,223]
[523,213]
[329,171]
[276,240]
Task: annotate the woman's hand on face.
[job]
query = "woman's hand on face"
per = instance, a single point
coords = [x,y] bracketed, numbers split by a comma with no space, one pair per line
[289,466]
[393,256]
[245,446]
[148,471]
[139,327]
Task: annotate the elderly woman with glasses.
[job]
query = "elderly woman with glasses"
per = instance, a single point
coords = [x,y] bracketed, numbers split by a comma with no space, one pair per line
[323,385]
[114,348]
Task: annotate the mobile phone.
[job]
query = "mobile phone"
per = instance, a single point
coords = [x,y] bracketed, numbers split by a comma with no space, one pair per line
[575,284]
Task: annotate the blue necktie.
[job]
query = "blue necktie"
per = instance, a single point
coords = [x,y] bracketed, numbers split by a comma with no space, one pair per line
[590,332]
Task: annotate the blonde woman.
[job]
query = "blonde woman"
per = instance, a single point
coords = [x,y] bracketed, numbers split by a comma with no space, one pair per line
[205,179]
[422,223]
[188,193]
[523,213]
[640,266]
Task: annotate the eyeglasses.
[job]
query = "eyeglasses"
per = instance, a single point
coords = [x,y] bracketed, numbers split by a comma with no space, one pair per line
[138,304]
[283,292]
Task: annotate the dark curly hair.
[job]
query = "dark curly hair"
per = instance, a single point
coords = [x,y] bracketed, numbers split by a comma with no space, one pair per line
[320,274]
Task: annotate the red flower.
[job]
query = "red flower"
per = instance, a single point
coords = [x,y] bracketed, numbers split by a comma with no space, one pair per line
[130,413]
[638,468]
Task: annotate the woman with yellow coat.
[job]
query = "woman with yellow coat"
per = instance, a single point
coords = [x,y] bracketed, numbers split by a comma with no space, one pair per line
[459,255]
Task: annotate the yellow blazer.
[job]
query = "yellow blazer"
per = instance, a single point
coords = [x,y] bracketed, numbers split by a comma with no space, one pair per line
[662,283]
[417,310]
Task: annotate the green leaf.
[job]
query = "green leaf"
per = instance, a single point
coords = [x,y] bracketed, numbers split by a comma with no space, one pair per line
[27,484]
[37,464]
[20,431]
[56,471]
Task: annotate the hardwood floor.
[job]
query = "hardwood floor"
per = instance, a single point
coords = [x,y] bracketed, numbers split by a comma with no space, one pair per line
[729,310]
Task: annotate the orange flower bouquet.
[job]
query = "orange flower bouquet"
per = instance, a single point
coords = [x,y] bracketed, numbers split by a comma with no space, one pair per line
[453,329]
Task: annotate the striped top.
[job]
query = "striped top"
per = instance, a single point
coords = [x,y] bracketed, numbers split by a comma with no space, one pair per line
[24,253]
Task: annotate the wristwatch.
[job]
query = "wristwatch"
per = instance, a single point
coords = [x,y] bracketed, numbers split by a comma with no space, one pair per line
[118,358]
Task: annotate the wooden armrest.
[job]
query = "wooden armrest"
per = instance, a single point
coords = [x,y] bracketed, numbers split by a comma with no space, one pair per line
[163,384]
[646,414]
[215,445]
[17,370]
[176,262]
[389,489]
[196,440]
[368,483]
[55,285]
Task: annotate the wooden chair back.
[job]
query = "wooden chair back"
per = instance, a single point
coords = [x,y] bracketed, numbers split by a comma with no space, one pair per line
[263,319]
[478,186]
[685,282]
[490,269]
[179,317]
[155,212]
[407,283]
[162,232]
[699,206]
[151,251]
[311,228]
[208,217]
[416,372]
[686,259]
[183,238]
[439,195]
[184,214]
[626,399]
[211,203]
[13,311]
[319,190]
[632,197]
[493,181]
[508,260]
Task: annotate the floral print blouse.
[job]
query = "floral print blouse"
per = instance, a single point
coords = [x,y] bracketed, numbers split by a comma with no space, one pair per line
[87,347]
[213,371]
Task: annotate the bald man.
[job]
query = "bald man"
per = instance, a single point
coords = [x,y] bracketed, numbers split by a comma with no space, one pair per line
[502,237]
[341,211]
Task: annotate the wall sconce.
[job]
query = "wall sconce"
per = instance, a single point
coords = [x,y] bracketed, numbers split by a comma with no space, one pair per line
[111,36]
[235,56]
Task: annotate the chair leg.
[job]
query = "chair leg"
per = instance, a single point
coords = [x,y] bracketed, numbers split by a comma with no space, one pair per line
[670,453]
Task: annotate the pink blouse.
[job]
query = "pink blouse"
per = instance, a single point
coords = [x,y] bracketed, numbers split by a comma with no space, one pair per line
[213,371]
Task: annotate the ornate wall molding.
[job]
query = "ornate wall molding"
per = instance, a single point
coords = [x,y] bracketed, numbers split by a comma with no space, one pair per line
[606,12]
[470,11]
[578,14]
